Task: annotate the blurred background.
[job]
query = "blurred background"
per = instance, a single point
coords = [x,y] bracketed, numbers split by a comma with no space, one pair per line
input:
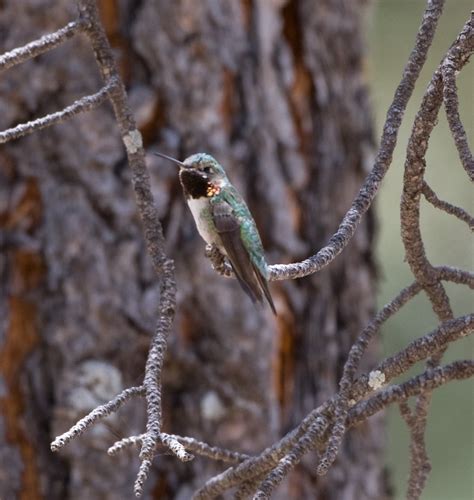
[450,435]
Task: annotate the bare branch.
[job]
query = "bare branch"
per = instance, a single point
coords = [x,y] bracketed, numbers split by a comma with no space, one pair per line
[414,171]
[460,276]
[289,461]
[458,212]
[124,443]
[319,425]
[189,443]
[425,382]
[451,104]
[96,414]
[40,46]
[81,105]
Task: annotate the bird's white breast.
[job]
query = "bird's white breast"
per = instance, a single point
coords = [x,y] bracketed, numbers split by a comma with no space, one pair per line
[200,209]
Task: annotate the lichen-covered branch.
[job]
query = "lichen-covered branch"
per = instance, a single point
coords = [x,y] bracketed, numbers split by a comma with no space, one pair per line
[96,414]
[427,381]
[86,103]
[40,46]
[189,443]
[459,276]
[458,212]
[451,104]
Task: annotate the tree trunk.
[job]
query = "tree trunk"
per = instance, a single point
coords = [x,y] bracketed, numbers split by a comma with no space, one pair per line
[275,91]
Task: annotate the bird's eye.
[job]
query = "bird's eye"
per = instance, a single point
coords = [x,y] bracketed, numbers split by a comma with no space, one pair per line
[207,170]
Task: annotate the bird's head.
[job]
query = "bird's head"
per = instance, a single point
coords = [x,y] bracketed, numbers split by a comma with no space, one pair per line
[207,166]
[200,174]
[200,163]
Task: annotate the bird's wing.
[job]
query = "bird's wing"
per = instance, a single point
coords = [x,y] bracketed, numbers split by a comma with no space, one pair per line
[249,276]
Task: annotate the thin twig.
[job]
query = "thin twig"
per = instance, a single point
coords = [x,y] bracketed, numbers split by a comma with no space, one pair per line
[40,46]
[459,276]
[86,103]
[289,461]
[451,104]
[420,266]
[426,381]
[458,212]
[189,443]
[96,414]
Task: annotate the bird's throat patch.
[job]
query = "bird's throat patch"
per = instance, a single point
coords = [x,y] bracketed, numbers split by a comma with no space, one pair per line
[212,190]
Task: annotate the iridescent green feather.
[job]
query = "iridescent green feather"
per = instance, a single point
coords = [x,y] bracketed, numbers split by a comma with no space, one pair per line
[248,230]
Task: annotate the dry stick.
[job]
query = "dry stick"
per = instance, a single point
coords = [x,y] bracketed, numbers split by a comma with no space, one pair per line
[152,229]
[170,441]
[394,366]
[423,271]
[458,212]
[455,275]
[81,105]
[212,452]
[388,369]
[417,448]
[40,46]
[124,443]
[451,104]
[426,381]
[425,121]
[189,443]
[96,414]
[418,350]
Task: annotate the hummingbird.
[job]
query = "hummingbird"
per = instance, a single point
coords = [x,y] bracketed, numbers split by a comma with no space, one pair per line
[223,219]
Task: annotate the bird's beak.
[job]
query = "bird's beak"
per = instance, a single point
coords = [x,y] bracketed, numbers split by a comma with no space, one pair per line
[174,160]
